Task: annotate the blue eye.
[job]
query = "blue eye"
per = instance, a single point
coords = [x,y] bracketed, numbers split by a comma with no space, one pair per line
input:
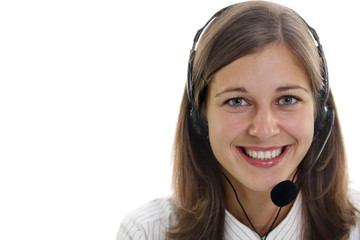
[288,100]
[237,102]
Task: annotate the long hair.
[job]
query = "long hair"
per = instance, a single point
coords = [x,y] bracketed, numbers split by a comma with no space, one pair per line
[242,29]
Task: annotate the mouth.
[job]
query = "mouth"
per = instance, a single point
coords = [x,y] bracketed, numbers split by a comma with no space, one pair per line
[265,154]
[263,157]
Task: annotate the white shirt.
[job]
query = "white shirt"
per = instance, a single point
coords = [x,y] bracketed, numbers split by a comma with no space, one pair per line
[151,221]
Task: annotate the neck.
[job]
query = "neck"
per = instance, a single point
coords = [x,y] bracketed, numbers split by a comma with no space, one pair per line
[258,206]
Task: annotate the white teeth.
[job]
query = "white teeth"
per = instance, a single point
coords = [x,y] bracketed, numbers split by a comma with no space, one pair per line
[261,155]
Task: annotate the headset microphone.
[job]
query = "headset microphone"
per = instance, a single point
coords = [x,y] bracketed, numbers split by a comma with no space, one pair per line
[286,191]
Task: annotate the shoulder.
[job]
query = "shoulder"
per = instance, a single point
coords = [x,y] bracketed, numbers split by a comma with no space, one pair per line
[150,221]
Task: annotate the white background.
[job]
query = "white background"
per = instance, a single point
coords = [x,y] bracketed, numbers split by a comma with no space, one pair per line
[89,97]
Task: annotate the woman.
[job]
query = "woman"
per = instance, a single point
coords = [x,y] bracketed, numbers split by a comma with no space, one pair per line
[257,111]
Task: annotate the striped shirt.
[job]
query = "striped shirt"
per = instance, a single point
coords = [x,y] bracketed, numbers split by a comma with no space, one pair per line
[151,222]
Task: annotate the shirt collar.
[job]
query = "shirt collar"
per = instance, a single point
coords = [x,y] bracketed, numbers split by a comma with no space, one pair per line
[287,229]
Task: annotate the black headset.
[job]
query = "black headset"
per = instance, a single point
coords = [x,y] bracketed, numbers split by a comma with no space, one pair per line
[286,191]
[195,115]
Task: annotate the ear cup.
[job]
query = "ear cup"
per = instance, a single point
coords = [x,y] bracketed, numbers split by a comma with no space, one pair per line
[197,123]
[320,121]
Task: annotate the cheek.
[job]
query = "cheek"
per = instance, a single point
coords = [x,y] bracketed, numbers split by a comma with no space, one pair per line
[220,133]
[223,127]
[301,126]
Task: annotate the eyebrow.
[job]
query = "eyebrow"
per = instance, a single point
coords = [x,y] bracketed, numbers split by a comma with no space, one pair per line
[236,89]
[280,89]
[291,87]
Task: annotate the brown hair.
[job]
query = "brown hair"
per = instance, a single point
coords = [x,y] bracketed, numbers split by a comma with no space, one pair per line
[242,29]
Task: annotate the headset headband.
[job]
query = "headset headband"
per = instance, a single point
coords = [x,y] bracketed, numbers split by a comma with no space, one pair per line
[194,112]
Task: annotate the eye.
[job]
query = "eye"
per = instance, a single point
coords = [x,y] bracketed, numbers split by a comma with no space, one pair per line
[237,102]
[288,100]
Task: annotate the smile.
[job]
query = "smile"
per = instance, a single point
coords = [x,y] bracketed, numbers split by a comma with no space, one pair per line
[264,155]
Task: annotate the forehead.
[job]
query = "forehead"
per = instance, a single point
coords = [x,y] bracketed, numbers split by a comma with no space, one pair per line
[270,67]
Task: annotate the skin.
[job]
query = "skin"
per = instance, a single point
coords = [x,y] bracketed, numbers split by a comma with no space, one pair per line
[260,102]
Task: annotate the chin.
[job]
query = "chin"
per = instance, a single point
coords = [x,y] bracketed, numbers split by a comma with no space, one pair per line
[263,187]
[262,182]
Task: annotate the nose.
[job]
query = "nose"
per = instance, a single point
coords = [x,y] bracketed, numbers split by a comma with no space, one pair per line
[264,124]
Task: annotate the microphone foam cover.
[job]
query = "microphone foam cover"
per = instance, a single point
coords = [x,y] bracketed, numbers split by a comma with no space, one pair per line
[284,193]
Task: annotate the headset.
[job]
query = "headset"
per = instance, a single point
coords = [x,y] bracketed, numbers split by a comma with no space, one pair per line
[286,191]
[200,128]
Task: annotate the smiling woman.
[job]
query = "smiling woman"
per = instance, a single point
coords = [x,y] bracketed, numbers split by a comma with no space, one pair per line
[257,111]
[263,125]
[261,142]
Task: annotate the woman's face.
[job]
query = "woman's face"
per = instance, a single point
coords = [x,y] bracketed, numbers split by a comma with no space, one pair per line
[260,113]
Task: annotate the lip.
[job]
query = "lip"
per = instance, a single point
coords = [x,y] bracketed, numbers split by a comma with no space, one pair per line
[263,163]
